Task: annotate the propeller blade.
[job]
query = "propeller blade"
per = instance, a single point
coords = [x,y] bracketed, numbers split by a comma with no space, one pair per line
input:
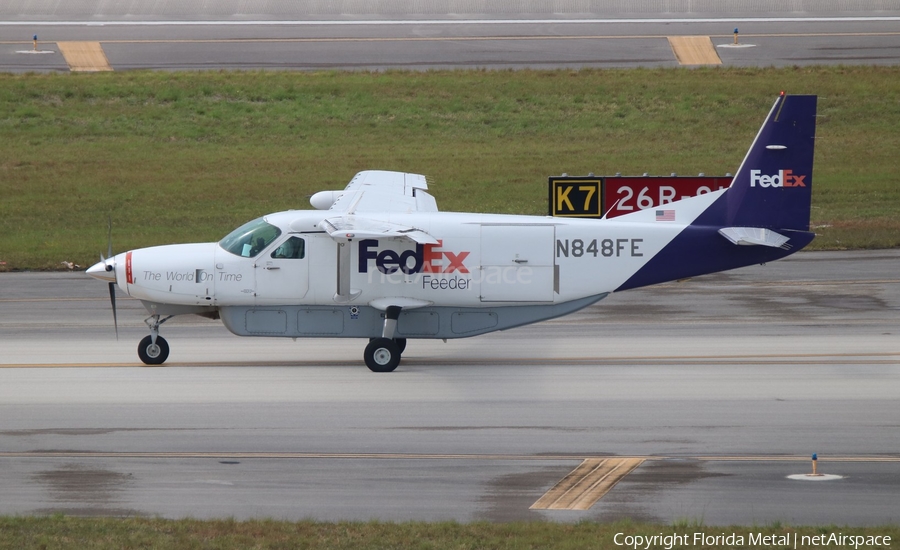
[112,300]
[109,236]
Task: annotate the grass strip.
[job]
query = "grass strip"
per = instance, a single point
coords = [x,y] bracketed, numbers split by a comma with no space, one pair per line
[101,533]
[186,157]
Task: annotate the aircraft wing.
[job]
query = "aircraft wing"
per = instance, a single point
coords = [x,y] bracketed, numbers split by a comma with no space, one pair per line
[359,227]
[383,191]
[370,195]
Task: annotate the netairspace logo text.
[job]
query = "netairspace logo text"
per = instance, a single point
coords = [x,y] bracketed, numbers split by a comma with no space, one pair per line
[785,540]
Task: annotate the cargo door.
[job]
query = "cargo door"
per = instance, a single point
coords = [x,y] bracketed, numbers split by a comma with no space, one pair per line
[517,263]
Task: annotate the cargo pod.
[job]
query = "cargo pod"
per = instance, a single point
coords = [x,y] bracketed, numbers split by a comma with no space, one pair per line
[517,263]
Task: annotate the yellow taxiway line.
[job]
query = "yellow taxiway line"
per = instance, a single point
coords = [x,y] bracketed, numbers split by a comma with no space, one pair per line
[480,38]
[466,38]
[622,461]
[888,358]
[28,300]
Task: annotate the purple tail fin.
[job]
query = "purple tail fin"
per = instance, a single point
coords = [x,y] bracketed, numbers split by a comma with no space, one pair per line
[767,206]
[773,186]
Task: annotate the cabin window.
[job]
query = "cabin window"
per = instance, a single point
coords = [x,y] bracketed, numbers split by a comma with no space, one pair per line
[251,238]
[292,249]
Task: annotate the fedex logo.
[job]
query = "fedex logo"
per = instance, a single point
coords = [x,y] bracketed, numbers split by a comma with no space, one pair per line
[784,178]
[426,258]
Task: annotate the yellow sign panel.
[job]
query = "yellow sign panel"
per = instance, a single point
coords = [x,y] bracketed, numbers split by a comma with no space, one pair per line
[576,197]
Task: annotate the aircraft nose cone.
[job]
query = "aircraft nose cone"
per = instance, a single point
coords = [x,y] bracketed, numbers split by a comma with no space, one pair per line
[104,270]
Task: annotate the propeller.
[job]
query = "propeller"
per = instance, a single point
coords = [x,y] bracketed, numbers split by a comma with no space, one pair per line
[109,236]
[112,300]
[106,270]
[112,285]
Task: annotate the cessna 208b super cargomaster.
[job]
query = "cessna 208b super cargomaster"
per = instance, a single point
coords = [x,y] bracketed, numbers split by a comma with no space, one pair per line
[378,260]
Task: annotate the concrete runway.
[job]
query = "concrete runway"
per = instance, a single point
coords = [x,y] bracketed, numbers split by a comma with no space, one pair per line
[724,385]
[385,43]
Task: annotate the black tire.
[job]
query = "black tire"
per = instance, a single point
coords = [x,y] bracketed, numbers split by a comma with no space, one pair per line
[382,355]
[401,343]
[153,355]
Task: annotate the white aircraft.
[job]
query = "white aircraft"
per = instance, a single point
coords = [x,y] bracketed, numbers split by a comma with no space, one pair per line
[378,260]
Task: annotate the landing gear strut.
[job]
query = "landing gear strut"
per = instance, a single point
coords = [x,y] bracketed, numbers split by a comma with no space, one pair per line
[153,349]
[383,354]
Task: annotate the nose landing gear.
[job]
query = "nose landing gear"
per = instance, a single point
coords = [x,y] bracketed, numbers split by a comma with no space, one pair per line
[153,353]
[153,349]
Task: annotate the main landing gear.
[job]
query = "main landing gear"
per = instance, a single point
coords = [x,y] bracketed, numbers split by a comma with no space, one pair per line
[153,349]
[383,354]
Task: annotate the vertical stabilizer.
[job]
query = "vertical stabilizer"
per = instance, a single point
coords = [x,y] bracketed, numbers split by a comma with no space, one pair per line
[773,187]
[762,216]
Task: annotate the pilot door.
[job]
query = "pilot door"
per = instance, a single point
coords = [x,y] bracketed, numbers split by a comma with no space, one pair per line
[282,272]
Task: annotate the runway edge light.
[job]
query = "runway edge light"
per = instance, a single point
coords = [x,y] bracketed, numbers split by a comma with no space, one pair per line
[815,460]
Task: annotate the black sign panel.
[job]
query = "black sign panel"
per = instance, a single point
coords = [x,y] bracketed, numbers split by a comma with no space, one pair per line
[576,197]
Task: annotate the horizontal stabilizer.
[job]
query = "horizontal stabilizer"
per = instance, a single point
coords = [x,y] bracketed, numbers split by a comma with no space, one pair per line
[754,236]
[356,227]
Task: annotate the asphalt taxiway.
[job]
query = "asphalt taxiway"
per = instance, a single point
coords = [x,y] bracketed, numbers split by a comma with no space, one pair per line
[169,40]
[704,395]
[719,387]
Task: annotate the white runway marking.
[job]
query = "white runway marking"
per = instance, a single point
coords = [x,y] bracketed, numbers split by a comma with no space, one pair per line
[308,23]
[817,477]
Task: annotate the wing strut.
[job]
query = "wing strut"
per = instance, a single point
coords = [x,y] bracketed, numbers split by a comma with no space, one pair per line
[344,292]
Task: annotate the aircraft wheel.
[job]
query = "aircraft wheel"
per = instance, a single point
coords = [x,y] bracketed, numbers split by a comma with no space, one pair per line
[153,354]
[382,355]
[401,343]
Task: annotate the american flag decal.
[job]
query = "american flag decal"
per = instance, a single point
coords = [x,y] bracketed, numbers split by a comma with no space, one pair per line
[665,215]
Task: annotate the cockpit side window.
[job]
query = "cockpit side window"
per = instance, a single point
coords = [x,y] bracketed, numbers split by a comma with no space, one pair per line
[251,238]
[293,249]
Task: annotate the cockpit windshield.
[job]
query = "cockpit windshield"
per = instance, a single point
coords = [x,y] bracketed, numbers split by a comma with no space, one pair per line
[251,238]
